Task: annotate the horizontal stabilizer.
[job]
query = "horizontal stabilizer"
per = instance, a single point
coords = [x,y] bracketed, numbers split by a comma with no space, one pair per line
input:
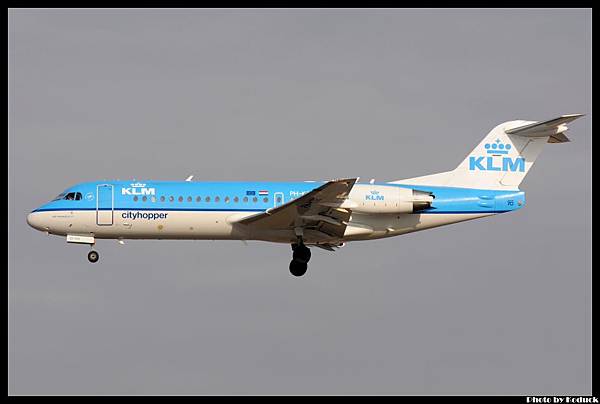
[553,128]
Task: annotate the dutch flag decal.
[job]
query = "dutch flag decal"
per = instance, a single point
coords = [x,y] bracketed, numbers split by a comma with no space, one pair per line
[263,192]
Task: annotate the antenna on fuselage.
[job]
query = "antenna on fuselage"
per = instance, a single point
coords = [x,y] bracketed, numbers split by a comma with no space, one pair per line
[188,179]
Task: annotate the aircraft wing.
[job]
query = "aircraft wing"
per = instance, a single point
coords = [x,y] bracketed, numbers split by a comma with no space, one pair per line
[553,128]
[318,210]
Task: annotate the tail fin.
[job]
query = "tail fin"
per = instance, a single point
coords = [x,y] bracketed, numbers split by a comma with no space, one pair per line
[503,157]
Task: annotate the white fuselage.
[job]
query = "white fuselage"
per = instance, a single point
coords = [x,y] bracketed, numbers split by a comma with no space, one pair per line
[216,226]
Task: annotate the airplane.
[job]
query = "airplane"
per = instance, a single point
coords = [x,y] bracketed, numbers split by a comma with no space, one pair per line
[325,214]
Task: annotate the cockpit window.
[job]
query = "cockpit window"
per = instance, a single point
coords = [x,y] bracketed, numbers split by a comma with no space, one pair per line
[73,196]
[59,197]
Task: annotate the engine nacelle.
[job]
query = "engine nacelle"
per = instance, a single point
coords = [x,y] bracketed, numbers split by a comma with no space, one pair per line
[387,199]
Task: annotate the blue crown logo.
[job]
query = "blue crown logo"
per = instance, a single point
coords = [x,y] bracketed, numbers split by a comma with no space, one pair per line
[497,147]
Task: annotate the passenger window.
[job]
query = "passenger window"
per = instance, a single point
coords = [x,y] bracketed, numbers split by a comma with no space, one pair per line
[265,199]
[162,198]
[236,199]
[245,199]
[278,199]
[226,199]
[171,198]
[255,199]
[217,199]
[189,198]
[135,198]
[180,199]
[144,198]
[198,199]
[207,199]
[153,198]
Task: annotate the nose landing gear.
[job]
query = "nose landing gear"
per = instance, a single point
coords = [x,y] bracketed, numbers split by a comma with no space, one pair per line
[300,257]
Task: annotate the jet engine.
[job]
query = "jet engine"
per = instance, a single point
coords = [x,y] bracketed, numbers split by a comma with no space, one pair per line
[387,199]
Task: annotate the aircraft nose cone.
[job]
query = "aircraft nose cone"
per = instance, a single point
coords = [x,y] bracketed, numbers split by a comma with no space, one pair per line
[35,221]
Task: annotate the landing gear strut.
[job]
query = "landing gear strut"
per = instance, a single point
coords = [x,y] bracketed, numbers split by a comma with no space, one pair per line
[93,256]
[300,258]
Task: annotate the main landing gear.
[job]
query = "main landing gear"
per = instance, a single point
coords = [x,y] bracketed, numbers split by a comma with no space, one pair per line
[93,256]
[300,258]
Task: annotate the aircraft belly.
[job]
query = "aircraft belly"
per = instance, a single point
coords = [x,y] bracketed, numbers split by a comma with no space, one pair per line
[154,225]
[214,225]
[395,225]
[197,225]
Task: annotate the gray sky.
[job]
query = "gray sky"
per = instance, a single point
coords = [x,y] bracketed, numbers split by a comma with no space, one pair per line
[495,306]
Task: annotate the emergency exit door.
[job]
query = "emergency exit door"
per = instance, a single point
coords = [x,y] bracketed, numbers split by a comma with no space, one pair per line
[278,199]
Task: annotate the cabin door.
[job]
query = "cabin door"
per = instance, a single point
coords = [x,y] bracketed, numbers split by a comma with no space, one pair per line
[105,204]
